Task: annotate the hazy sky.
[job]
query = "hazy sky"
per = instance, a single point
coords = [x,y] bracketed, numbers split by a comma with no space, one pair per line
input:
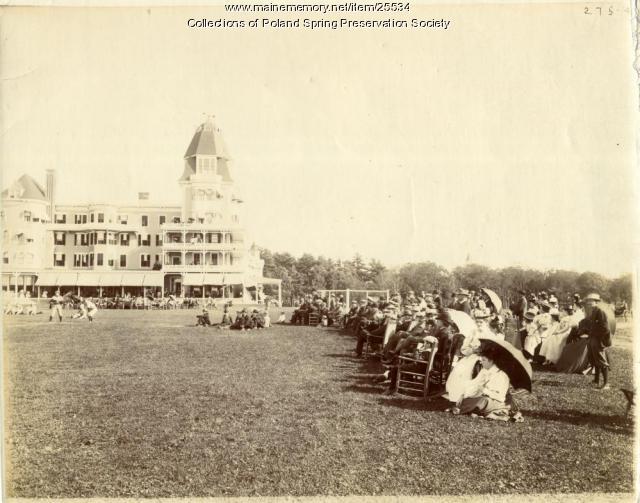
[506,138]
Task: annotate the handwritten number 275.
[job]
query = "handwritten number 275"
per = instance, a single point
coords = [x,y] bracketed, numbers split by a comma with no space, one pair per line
[598,11]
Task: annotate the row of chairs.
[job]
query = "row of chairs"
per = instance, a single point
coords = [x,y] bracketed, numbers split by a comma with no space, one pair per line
[423,373]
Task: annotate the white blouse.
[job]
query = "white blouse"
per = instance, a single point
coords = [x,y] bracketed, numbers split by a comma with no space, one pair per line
[492,383]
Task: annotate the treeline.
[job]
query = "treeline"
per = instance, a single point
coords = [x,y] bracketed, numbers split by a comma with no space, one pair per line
[308,273]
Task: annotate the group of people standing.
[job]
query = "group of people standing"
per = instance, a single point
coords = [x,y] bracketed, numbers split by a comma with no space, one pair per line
[570,339]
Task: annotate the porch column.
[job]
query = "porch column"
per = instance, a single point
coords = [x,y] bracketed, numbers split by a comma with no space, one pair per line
[16,275]
[38,292]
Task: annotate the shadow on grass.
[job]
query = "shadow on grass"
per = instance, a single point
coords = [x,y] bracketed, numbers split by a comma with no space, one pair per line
[364,387]
[614,424]
[436,404]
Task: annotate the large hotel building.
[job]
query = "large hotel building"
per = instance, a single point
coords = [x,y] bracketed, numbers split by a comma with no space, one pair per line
[196,249]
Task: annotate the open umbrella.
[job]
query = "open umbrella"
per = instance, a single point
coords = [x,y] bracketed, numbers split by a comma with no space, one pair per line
[493,297]
[611,317]
[510,360]
[464,322]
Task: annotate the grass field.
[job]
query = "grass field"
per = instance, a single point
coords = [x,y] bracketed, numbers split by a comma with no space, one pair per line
[142,403]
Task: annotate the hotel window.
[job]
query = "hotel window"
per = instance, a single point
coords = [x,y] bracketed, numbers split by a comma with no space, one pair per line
[59,238]
[85,260]
[83,240]
[110,262]
[145,260]
[123,261]
[84,219]
[122,219]
[76,260]
[27,216]
[176,220]
[91,217]
[99,259]
[162,219]
[145,220]
[157,259]
[158,240]
[234,218]
[146,241]
[124,239]
[5,258]
[113,240]
[100,218]
[60,218]
[75,240]
[91,260]
[58,259]
[102,238]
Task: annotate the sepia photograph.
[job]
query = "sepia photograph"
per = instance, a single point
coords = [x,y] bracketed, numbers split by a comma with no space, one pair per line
[319,251]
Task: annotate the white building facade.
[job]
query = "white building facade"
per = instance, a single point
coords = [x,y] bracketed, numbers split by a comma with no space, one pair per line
[196,249]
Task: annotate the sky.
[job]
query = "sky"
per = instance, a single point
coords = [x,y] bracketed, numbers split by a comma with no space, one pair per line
[507,139]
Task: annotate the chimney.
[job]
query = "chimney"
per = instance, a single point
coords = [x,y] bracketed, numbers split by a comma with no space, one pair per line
[51,193]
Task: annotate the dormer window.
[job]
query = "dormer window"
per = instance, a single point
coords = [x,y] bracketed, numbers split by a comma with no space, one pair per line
[206,166]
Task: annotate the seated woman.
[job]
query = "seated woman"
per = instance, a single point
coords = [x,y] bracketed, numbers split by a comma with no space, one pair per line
[486,394]
[575,354]
[462,372]
[556,337]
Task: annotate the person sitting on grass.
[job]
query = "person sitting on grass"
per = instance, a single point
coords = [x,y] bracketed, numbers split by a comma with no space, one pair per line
[486,394]
[282,318]
[257,319]
[226,317]
[203,320]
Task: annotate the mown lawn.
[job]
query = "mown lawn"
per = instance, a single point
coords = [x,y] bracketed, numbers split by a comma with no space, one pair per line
[141,404]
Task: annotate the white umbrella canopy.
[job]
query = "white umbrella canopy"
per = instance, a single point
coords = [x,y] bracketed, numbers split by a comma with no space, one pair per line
[493,297]
[464,322]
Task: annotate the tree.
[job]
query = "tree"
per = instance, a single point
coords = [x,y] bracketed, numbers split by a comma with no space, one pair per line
[590,282]
[425,276]
[476,276]
[621,289]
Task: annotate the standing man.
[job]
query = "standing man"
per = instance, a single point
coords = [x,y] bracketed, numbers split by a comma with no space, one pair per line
[599,338]
[519,307]
[55,306]
[462,302]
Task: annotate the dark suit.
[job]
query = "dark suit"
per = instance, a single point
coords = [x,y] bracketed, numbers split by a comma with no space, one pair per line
[599,338]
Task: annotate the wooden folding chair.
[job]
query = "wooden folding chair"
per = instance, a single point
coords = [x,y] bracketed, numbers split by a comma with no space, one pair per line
[414,369]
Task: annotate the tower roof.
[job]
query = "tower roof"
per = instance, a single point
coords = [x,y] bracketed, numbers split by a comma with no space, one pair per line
[25,187]
[207,140]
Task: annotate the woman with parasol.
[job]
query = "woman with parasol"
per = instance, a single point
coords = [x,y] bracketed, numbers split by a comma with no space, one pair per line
[486,394]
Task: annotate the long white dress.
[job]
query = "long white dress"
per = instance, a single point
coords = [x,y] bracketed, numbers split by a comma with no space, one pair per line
[535,332]
[556,337]
[461,373]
